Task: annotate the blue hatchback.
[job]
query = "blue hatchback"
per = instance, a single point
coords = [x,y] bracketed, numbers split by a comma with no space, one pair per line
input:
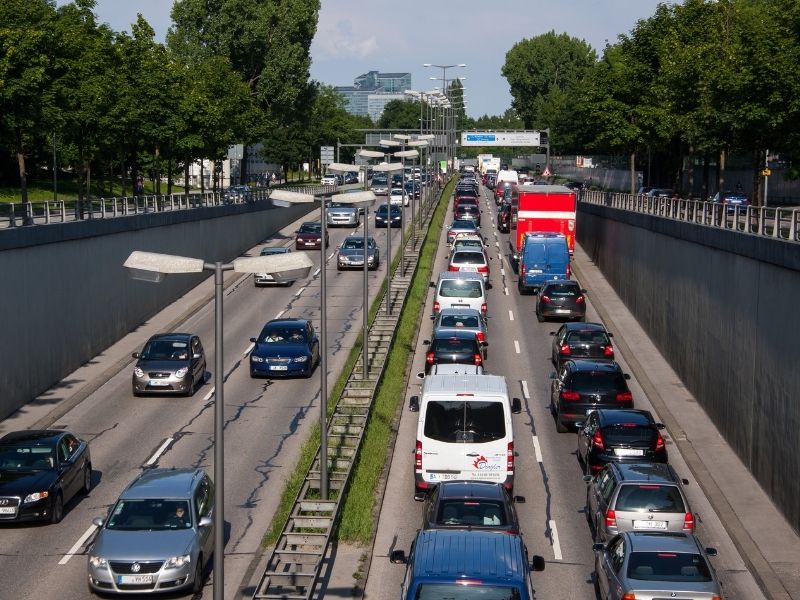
[285,347]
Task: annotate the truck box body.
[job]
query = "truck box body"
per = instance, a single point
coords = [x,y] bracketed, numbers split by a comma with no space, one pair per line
[549,208]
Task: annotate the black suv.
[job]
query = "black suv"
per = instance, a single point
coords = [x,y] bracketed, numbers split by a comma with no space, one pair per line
[471,505]
[455,347]
[581,340]
[561,299]
[581,386]
[611,435]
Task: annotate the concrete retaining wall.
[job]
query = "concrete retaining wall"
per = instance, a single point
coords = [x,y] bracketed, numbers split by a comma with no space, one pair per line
[66,297]
[722,308]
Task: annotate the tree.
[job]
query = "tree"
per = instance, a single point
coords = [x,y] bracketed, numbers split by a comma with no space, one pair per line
[400,114]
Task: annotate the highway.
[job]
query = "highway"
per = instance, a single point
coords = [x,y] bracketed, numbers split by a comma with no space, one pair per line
[547,471]
[265,424]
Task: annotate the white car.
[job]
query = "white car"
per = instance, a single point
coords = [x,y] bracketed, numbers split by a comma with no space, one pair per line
[330,179]
[470,260]
[396,197]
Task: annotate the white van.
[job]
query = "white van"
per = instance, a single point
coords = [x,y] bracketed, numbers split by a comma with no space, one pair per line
[464,431]
[510,176]
[459,290]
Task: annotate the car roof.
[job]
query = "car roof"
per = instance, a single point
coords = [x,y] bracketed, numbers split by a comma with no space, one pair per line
[613,416]
[471,489]
[42,436]
[571,282]
[275,250]
[588,364]
[171,336]
[473,312]
[579,326]
[451,554]
[651,472]
[470,250]
[643,541]
[162,483]
[459,275]
[455,332]
[287,321]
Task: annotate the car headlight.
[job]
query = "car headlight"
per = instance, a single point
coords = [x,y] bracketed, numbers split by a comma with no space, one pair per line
[300,359]
[176,562]
[35,497]
[181,373]
[98,562]
[254,358]
[138,372]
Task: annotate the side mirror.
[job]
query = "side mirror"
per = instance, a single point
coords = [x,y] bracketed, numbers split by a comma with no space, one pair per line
[426,342]
[197,356]
[135,355]
[626,376]
[253,340]
[552,333]
[420,375]
[537,564]
[583,292]
[516,406]
[485,344]
[660,425]
[98,521]
[553,375]
[579,425]
[598,547]
[431,284]
[685,481]
[397,557]
[413,403]
[610,334]
[519,499]
[711,551]
[206,521]
[587,478]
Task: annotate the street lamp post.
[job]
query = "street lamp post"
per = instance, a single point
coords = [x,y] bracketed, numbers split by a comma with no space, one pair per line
[150,266]
[389,169]
[419,143]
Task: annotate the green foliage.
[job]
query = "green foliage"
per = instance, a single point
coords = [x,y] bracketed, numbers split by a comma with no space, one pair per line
[400,114]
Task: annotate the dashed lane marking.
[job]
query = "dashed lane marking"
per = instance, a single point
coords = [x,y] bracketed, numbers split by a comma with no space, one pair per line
[516,346]
[208,395]
[280,314]
[525,393]
[511,315]
[74,550]
[316,272]
[536,449]
[250,347]
[505,291]
[152,460]
[556,544]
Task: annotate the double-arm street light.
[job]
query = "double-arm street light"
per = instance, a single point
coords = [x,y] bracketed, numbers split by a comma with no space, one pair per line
[150,266]
[414,220]
[389,169]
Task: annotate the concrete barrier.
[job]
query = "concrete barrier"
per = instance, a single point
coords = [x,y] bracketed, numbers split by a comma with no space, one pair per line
[66,296]
[721,306]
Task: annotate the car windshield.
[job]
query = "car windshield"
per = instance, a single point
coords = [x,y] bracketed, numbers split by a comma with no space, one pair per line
[475,512]
[648,497]
[668,566]
[165,350]
[282,335]
[459,421]
[460,288]
[311,228]
[26,457]
[469,258]
[470,321]
[596,382]
[587,337]
[629,433]
[561,289]
[150,514]
[457,591]
[355,244]
[463,224]
[468,244]
[271,251]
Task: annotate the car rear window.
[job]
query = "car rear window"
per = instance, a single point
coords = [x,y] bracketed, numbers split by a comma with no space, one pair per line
[469,321]
[475,512]
[459,421]
[460,288]
[650,497]
[596,382]
[587,337]
[668,566]
[561,289]
[454,345]
[629,433]
[469,258]
[459,591]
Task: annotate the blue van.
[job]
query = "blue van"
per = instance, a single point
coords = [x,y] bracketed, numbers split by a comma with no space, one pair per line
[462,565]
[544,256]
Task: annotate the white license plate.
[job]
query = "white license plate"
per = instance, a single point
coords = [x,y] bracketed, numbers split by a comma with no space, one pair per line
[562,311]
[442,476]
[469,269]
[134,579]
[158,383]
[628,452]
[650,525]
[459,305]
[278,368]
[8,510]
[535,271]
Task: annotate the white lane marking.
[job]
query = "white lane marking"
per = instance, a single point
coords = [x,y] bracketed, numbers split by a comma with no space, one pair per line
[332,255]
[208,395]
[280,314]
[537,449]
[502,272]
[511,315]
[525,393]
[556,544]
[249,348]
[300,291]
[497,244]
[74,550]
[505,291]
[516,346]
[159,452]
[316,273]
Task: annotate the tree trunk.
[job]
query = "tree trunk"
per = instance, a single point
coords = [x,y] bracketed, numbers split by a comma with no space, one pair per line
[186,178]
[690,182]
[758,193]
[706,175]
[23,173]
[723,154]
[158,170]
[122,172]
[633,173]
[169,172]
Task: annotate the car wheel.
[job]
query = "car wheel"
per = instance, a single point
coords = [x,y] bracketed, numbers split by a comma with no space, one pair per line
[137,394]
[338,267]
[539,316]
[521,289]
[87,480]
[57,509]
[560,427]
[197,583]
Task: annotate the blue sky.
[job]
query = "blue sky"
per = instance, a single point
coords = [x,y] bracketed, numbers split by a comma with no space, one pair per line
[355,36]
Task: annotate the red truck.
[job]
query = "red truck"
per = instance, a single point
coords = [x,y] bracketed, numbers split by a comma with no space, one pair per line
[547,208]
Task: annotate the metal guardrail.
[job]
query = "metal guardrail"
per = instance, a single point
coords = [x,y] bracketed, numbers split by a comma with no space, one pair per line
[295,564]
[773,222]
[17,214]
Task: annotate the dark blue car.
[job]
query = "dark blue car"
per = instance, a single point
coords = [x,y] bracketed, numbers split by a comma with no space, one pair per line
[285,347]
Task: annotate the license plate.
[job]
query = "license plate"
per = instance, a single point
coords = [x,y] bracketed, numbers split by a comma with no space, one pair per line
[628,452]
[442,476]
[134,579]
[8,510]
[459,305]
[158,383]
[562,311]
[469,269]
[535,271]
[650,525]
[278,368]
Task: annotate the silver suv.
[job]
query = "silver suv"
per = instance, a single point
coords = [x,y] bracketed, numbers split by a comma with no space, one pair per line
[637,497]
[157,537]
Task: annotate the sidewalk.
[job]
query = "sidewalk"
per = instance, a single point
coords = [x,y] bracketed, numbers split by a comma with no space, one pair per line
[767,543]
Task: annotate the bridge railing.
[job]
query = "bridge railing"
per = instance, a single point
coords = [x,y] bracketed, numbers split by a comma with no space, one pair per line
[768,221]
[46,212]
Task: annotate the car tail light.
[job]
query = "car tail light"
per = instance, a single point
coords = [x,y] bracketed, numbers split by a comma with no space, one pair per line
[659,442]
[480,336]
[688,521]
[544,299]
[522,270]
[625,397]
[476,359]
[484,308]
[569,395]
[597,440]
[483,269]
[611,516]
[418,457]
[608,350]
[430,358]
[629,596]
[436,307]
[510,457]
[579,300]
[453,268]
[565,350]
[569,271]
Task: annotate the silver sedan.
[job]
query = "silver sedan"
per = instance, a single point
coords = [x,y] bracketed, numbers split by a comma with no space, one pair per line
[351,253]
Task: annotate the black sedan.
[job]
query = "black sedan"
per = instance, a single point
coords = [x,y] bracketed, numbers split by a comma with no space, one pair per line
[611,435]
[563,299]
[386,212]
[471,505]
[581,340]
[40,471]
[454,347]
